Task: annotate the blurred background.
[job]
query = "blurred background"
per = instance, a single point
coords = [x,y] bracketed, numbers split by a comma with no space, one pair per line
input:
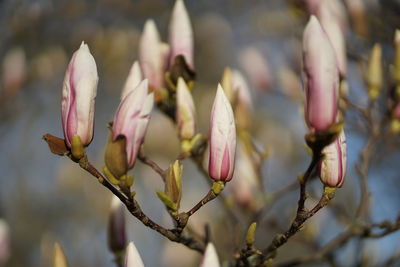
[45,198]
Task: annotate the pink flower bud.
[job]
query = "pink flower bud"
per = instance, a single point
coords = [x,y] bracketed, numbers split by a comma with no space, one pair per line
[78,96]
[222,139]
[152,55]
[256,67]
[181,34]
[210,258]
[332,167]
[331,24]
[116,226]
[132,118]
[321,78]
[132,257]
[185,112]
[133,80]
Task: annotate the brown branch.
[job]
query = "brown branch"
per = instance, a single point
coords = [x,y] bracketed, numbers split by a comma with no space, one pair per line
[362,231]
[302,214]
[127,198]
[143,158]
[134,208]
[207,198]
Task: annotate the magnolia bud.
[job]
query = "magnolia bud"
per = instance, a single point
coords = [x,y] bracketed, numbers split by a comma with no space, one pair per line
[181,35]
[133,80]
[374,72]
[78,97]
[245,186]
[185,111]
[222,139]
[173,183]
[358,14]
[59,259]
[332,168]
[256,67]
[321,78]
[152,55]
[210,258]
[116,226]
[132,257]
[244,102]
[4,242]
[331,24]
[130,123]
[227,84]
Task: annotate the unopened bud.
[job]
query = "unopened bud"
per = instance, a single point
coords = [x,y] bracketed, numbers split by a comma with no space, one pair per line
[173,182]
[132,257]
[116,226]
[222,139]
[332,168]
[185,111]
[59,257]
[251,232]
[374,72]
[210,258]
[78,97]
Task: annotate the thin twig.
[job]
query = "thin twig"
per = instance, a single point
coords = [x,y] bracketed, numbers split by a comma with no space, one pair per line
[143,158]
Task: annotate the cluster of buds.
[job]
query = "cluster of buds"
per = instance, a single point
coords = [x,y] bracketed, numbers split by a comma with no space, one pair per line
[161,63]
[321,82]
[128,129]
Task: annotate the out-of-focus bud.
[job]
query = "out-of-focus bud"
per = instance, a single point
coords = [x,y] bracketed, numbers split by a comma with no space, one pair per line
[4,242]
[245,186]
[358,16]
[397,62]
[331,24]
[332,167]
[116,226]
[185,112]
[227,84]
[256,67]
[222,139]
[78,97]
[133,80]
[152,55]
[128,130]
[59,257]
[244,102]
[210,258]
[321,79]
[374,72]
[290,83]
[132,257]
[14,71]
[181,35]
